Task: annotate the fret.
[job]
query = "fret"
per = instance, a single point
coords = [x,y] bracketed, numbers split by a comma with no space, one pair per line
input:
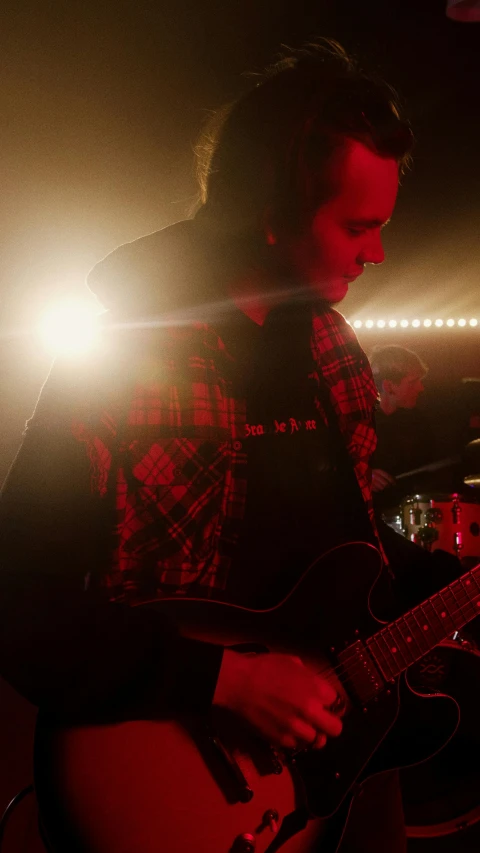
[475,574]
[398,648]
[389,658]
[406,624]
[395,647]
[428,610]
[462,600]
[475,588]
[401,636]
[383,666]
[457,612]
[471,589]
[419,634]
[442,610]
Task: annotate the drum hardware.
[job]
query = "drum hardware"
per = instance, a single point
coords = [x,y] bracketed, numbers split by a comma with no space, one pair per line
[394,520]
[456,510]
[416,515]
[426,536]
[457,542]
[447,521]
[433,516]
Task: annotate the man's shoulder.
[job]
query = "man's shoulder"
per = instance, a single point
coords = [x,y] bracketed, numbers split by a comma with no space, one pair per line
[335,339]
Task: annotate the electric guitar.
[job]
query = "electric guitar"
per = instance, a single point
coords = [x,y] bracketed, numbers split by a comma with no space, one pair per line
[168,785]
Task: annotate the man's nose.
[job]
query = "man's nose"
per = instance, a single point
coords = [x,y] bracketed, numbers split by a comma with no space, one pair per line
[372,252]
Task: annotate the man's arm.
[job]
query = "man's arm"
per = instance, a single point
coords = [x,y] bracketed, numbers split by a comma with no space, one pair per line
[62,647]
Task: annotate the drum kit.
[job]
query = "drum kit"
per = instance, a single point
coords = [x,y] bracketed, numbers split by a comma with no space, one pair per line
[438,520]
[442,795]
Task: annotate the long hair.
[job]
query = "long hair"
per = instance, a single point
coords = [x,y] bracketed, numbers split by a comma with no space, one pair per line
[270,149]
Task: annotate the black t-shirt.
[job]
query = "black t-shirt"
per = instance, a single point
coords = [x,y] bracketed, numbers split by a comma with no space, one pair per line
[301,498]
[405,443]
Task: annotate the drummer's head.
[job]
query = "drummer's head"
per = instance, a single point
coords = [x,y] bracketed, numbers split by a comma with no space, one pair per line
[398,374]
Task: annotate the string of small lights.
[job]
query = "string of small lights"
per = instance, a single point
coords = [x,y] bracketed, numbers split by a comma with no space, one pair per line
[414,324]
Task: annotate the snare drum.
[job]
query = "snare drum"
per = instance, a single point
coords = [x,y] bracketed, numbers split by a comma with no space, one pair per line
[450,522]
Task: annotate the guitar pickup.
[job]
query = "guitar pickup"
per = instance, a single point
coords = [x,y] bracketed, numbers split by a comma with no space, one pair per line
[360,673]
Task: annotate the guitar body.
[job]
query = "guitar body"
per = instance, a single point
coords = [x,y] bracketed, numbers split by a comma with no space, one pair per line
[159,786]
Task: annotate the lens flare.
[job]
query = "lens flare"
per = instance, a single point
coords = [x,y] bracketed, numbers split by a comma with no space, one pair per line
[69,328]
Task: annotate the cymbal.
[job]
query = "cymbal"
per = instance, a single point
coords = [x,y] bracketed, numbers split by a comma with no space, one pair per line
[474,445]
[472,480]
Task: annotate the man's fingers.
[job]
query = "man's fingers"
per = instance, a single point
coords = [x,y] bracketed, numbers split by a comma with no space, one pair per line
[325,692]
[322,720]
[381,479]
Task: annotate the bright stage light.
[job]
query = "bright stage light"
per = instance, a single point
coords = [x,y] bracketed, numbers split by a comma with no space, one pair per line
[385,325]
[69,328]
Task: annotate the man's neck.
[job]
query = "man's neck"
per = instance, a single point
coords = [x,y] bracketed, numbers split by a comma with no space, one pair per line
[255,294]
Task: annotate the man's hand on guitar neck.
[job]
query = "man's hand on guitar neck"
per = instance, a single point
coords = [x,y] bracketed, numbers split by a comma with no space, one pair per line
[280,697]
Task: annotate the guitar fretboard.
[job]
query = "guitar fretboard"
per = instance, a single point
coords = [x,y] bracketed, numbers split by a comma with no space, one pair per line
[406,640]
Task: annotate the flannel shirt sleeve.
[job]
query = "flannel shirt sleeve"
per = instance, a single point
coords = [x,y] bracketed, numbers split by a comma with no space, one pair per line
[64,648]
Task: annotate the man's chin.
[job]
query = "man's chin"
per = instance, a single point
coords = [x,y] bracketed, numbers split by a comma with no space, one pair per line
[335,293]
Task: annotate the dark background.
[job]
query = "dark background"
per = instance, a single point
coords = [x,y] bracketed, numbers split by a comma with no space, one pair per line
[100,108]
[101,104]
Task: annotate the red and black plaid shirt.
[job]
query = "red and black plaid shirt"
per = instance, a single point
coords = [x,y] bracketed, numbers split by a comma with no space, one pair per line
[173,459]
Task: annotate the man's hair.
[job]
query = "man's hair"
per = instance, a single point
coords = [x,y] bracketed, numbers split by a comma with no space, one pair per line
[269,151]
[394,363]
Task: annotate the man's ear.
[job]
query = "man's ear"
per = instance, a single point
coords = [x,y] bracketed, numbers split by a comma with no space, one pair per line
[388,386]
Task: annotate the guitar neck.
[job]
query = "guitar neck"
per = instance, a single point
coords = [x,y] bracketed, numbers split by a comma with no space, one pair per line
[403,642]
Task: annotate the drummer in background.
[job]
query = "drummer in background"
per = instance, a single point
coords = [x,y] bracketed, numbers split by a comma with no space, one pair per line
[405,440]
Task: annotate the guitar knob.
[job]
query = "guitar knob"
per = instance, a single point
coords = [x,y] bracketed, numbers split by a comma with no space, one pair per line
[270,818]
[244,843]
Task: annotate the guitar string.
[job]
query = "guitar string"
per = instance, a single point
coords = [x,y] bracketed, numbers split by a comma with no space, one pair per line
[351,669]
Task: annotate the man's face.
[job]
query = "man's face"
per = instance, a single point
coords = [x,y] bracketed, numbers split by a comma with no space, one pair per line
[407,391]
[345,233]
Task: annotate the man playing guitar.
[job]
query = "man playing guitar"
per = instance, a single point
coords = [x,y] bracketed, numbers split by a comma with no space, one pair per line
[216,446]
